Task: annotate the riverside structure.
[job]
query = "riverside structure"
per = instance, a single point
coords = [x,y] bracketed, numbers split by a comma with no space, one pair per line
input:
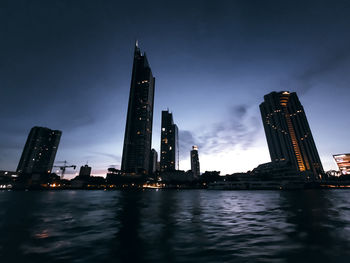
[288,134]
[195,162]
[138,130]
[39,151]
[169,145]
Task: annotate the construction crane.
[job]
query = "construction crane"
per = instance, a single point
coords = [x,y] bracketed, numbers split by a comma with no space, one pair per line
[63,167]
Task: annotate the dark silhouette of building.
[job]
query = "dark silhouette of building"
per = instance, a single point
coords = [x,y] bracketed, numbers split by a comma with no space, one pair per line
[195,162]
[169,145]
[174,177]
[288,133]
[138,130]
[85,171]
[153,161]
[39,151]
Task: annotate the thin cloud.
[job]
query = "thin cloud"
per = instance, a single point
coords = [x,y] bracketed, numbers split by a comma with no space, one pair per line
[108,155]
[330,63]
[237,131]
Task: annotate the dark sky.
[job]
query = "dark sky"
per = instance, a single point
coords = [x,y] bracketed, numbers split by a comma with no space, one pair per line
[67,65]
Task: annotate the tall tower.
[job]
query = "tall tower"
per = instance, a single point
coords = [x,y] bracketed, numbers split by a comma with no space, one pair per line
[195,162]
[169,145]
[288,133]
[153,162]
[39,151]
[85,171]
[138,129]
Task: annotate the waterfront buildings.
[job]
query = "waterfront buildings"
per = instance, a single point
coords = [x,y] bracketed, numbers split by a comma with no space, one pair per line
[39,151]
[138,130]
[153,162]
[343,162]
[195,162]
[8,174]
[85,171]
[279,170]
[176,177]
[169,145]
[288,134]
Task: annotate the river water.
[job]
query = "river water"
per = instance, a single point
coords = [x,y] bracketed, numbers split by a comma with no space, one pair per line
[175,226]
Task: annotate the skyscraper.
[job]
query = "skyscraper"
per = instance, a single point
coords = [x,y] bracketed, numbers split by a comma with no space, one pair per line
[39,151]
[169,145]
[195,162]
[85,171]
[153,162]
[138,130]
[288,133]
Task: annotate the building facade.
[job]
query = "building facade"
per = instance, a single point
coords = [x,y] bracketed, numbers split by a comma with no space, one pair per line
[138,129]
[153,162]
[169,145]
[85,171]
[288,134]
[195,162]
[343,162]
[39,151]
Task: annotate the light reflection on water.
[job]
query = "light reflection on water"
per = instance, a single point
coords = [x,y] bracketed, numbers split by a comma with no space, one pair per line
[175,226]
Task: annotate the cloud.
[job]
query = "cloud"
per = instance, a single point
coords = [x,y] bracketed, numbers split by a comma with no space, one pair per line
[332,62]
[108,155]
[76,120]
[186,139]
[116,166]
[236,131]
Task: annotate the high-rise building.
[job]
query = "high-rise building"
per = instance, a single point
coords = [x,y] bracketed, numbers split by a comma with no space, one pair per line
[153,162]
[343,162]
[138,130]
[39,151]
[169,145]
[288,133]
[195,162]
[85,171]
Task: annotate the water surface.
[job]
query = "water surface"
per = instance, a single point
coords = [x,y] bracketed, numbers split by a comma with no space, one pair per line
[175,226]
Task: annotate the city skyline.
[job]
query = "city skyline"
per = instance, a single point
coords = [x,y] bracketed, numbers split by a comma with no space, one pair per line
[212,70]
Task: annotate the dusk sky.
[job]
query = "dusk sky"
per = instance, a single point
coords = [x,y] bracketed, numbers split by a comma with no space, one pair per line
[66,65]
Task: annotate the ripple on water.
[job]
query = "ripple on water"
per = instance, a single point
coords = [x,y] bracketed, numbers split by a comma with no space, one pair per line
[175,226]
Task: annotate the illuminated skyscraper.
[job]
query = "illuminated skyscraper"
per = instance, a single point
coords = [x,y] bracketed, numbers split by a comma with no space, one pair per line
[195,162]
[39,151]
[169,145]
[138,130]
[343,162]
[288,133]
